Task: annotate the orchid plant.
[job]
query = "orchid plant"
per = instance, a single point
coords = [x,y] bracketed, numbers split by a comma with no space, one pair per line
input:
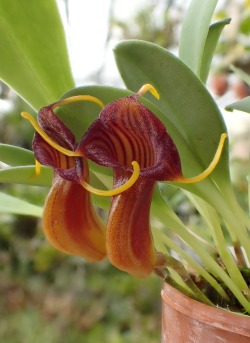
[122,149]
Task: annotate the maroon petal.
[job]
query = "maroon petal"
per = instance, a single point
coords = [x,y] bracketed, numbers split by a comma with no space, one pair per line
[60,134]
[129,241]
[70,222]
[55,128]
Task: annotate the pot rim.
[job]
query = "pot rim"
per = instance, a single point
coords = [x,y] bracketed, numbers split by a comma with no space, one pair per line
[214,316]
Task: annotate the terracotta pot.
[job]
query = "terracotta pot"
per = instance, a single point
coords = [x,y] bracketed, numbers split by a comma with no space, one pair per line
[185,320]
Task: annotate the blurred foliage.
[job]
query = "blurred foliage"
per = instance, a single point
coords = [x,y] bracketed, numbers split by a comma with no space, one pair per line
[56,298]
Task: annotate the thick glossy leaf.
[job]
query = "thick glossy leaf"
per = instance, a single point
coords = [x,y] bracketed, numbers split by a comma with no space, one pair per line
[10,204]
[26,175]
[242,105]
[210,45]
[15,156]
[34,60]
[194,33]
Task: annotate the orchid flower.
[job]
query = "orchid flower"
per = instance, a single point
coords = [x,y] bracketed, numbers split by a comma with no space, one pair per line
[131,140]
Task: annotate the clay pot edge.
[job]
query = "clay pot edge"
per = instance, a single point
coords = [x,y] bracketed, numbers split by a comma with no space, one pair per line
[214,316]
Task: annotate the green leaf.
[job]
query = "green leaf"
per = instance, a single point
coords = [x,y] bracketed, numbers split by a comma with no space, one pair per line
[10,204]
[15,156]
[26,175]
[34,59]
[210,45]
[194,33]
[242,105]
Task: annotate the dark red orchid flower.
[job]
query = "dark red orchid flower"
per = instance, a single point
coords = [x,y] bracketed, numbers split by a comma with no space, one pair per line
[125,133]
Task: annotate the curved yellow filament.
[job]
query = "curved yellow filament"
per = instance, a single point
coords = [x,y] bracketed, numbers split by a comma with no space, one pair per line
[210,168]
[148,87]
[118,190]
[44,135]
[79,98]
